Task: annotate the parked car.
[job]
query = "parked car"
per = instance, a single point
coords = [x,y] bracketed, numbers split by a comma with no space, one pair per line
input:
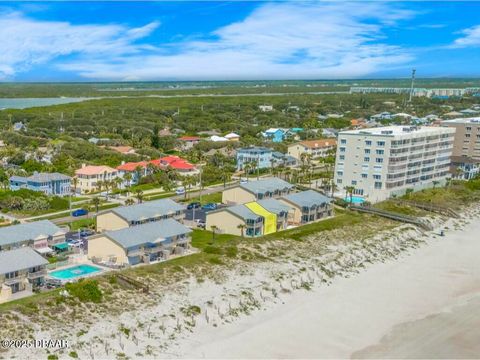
[209,206]
[86,232]
[194,205]
[180,191]
[201,224]
[243,181]
[79,212]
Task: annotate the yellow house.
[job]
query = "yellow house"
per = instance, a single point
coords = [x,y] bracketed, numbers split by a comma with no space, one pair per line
[308,206]
[252,219]
[140,244]
[89,176]
[256,190]
[125,216]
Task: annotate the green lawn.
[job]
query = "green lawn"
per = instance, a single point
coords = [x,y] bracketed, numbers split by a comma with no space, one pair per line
[82,223]
[208,198]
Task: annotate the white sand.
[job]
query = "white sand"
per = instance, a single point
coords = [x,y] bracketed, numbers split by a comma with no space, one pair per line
[356,313]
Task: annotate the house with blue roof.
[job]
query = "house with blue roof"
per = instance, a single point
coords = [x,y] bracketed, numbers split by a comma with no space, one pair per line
[138,214]
[308,206]
[40,235]
[257,190]
[47,183]
[154,241]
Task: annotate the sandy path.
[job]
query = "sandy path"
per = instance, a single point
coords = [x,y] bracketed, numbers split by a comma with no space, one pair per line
[353,315]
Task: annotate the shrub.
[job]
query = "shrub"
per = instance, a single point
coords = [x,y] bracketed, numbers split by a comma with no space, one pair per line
[213,250]
[85,290]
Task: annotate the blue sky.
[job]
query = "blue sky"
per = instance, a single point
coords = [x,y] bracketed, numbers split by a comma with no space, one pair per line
[220,40]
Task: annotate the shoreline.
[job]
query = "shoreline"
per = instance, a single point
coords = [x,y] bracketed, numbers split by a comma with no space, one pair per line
[365,315]
[337,293]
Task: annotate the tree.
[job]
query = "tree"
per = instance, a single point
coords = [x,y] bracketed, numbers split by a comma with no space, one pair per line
[96,203]
[214,229]
[129,202]
[155,139]
[350,190]
[435,183]
[242,229]
[75,184]
[139,195]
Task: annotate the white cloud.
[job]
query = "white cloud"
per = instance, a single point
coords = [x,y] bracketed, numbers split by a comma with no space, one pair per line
[277,40]
[471,37]
[27,42]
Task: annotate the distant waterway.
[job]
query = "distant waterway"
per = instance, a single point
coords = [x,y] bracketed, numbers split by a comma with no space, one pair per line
[23,103]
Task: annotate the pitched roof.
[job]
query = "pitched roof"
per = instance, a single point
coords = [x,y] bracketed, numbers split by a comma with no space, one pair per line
[154,232]
[307,198]
[28,231]
[122,149]
[320,143]
[20,259]
[94,170]
[273,205]
[132,166]
[243,212]
[231,135]
[189,138]
[173,161]
[266,185]
[44,177]
[148,210]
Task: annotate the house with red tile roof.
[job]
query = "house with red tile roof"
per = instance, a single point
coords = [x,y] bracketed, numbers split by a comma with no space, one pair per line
[135,169]
[177,163]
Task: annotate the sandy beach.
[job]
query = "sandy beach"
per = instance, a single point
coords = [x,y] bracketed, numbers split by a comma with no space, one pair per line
[424,305]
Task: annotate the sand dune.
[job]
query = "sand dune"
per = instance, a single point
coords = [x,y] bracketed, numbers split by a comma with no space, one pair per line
[435,288]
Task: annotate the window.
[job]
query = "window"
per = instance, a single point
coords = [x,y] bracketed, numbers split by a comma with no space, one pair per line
[343,141]
[377,177]
[339,181]
[380,143]
[340,173]
[367,151]
[366,159]
[364,176]
[378,185]
[342,157]
[379,160]
[354,182]
[342,149]
[467,135]
[380,152]
[368,142]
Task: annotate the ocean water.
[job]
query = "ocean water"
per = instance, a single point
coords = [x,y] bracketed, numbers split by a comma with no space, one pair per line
[23,103]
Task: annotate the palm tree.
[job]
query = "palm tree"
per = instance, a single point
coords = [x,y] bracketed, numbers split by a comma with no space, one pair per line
[350,190]
[435,183]
[75,184]
[242,229]
[333,187]
[214,229]
[139,196]
[99,185]
[129,202]
[96,203]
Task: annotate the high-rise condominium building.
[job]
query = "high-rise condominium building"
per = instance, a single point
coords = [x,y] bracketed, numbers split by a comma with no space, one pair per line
[467,137]
[385,161]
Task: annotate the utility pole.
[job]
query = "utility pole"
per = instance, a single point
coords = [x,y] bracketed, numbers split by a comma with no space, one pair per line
[411,86]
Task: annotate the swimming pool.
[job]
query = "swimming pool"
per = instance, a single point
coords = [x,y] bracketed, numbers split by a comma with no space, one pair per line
[74,272]
[355,199]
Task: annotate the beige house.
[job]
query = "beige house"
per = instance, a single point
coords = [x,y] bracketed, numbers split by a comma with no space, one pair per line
[316,148]
[256,190]
[235,220]
[140,244]
[126,216]
[21,270]
[308,206]
[88,177]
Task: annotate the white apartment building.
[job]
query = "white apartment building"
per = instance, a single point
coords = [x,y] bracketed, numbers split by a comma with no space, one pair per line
[385,161]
